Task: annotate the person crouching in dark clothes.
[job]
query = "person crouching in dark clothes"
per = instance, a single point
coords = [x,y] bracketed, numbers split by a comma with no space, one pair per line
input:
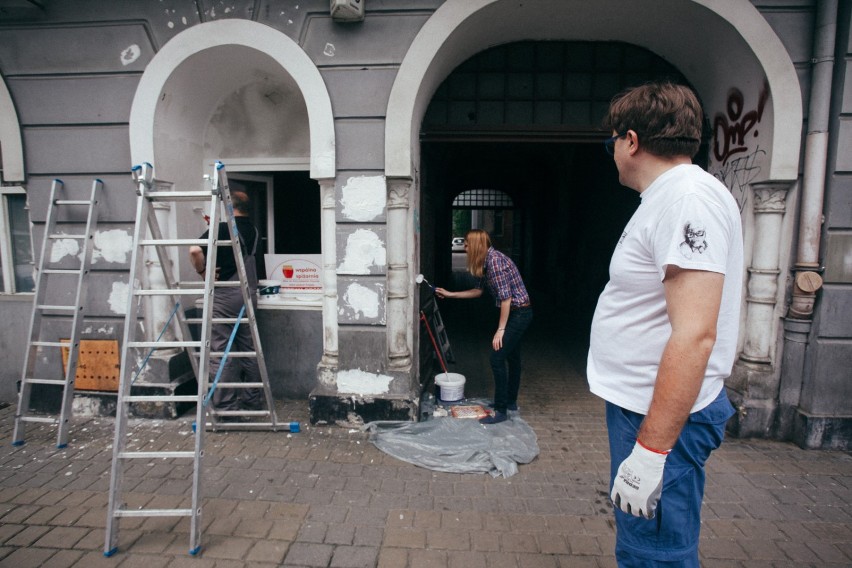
[227,303]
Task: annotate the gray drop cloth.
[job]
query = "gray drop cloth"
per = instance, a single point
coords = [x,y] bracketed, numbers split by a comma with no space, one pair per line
[458,445]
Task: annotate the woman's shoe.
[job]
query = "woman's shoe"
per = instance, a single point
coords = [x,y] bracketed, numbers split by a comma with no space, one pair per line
[495,419]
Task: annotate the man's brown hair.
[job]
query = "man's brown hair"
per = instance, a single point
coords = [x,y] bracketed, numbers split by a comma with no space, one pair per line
[666,117]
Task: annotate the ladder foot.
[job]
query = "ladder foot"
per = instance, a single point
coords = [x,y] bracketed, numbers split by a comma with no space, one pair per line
[62,446]
[194,551]
[18,443]
[110,552]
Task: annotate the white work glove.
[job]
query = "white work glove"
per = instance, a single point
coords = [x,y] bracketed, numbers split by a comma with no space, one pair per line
[639,482]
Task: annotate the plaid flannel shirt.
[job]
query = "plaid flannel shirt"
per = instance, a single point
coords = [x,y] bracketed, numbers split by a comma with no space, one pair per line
[503,279]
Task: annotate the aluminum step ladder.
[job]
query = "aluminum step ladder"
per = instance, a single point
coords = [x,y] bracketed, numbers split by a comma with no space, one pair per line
[53,278]
[150,191]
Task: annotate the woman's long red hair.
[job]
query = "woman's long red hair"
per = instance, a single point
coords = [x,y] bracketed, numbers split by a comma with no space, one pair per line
[478,242]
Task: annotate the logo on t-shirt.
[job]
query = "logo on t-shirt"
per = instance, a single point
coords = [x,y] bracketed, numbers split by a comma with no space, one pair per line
[694,239]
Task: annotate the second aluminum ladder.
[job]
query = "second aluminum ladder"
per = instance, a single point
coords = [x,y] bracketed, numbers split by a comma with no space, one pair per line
[49,277]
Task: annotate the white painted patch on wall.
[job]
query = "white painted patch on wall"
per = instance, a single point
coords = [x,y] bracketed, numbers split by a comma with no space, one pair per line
[364,197]
[364,249]
[62,248]
[329,50]
[118,298]
[112,246]
[362,300]
[360,382]
[130,54]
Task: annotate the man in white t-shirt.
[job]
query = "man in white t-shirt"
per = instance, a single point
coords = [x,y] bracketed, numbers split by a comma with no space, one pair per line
[664,334]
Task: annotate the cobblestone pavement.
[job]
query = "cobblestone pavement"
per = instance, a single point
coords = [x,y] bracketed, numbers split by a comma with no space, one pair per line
[328,497]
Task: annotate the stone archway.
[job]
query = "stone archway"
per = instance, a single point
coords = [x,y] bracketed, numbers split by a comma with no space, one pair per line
[191,74]
[728,52]
[10,138]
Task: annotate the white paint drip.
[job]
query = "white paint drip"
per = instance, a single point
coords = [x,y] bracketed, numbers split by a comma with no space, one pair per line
[130,54]
[118,298]
[364,249]
[362,300]
[363,198]
[360,382]
[62,248]
[329,50]
[112,246]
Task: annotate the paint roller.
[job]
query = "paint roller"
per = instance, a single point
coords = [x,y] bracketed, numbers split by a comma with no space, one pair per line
[420,279]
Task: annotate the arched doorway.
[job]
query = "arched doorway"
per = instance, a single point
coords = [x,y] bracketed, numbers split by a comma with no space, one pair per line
[247,94]
[716,35]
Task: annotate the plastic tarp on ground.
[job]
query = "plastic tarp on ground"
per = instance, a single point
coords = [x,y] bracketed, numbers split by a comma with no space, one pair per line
[458,445]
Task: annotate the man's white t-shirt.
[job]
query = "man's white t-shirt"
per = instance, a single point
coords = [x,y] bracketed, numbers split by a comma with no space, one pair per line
[689,219]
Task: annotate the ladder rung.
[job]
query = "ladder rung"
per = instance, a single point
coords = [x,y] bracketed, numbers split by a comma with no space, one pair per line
[240,386]
[234,354]
[246,426]
[50,344]
[60,236]
[217,320]
[153,513]
[61,271]
[169,292]
[247,413]
[155,455]
[72,202]
[43,419]
[164,344]
[161,398]
[34,381]
[178,195]
[227,284]
[63,308]
[173,242]
[222,242]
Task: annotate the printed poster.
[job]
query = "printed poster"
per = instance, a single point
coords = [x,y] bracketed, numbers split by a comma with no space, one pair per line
[300,273]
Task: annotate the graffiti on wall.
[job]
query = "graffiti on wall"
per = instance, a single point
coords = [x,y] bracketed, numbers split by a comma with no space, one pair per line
[738,162]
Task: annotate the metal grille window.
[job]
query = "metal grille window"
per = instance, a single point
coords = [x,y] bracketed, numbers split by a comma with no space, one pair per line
[16,251]
[483,199]
[542,83]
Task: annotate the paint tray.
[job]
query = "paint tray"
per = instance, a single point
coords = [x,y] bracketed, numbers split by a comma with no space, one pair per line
[469,411]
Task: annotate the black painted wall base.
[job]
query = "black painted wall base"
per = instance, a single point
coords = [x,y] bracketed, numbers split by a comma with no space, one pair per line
[823,433]
[357,410]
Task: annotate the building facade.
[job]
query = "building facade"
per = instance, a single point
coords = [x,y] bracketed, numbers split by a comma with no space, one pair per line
[356,135]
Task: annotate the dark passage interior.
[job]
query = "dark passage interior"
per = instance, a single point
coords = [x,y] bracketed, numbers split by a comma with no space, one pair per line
[568,213]
[513,137]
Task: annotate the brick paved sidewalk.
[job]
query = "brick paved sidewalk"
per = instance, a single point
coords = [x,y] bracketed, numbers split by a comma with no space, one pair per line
[327,497]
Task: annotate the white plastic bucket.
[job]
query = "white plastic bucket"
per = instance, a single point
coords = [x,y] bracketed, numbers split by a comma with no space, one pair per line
[452,386]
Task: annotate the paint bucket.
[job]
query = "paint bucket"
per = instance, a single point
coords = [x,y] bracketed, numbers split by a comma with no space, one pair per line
[269,288]
[452,386]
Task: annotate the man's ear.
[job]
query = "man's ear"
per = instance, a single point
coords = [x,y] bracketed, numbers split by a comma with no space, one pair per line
[632,140]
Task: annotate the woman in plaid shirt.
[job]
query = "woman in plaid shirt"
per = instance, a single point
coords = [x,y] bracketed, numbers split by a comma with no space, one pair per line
[500,274]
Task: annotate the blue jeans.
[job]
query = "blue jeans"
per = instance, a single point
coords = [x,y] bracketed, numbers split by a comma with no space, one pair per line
[507,383]
[671,538]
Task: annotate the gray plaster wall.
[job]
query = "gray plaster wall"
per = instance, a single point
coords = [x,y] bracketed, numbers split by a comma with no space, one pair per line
[827,385]
[13,341]
[292,346]
[72,70]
